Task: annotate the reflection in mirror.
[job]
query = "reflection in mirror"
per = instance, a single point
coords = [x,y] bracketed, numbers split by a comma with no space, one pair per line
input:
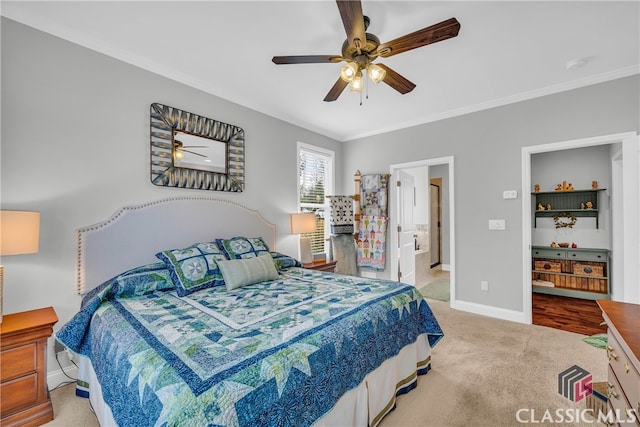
[181,144]
[197,152]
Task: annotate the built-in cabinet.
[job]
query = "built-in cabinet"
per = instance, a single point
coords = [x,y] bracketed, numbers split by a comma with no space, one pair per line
[579,273]
[579,203]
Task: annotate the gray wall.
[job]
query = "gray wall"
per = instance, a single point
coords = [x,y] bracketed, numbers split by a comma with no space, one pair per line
[487,150]
[75,146]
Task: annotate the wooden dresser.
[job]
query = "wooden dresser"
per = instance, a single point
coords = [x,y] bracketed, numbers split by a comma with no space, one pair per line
[623,352]
[23,367]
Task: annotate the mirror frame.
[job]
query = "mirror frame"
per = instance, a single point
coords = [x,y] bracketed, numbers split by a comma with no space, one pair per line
[164,120]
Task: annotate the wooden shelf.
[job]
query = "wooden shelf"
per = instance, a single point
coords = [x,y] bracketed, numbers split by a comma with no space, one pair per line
[567,201]
[565,271]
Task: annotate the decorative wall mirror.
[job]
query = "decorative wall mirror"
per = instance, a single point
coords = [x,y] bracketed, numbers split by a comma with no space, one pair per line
[191,151]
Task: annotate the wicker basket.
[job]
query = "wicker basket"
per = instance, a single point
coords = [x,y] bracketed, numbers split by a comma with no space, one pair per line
[593,270]
[551,266]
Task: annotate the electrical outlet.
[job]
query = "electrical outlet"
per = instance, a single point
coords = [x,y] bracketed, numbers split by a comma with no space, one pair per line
[484,285]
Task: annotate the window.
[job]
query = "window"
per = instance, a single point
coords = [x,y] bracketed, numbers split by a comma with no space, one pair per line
[315,181]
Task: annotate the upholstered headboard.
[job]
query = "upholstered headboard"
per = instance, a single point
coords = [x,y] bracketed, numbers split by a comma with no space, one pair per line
[134,234]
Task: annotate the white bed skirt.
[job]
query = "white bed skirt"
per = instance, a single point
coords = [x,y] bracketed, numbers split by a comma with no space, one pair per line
[365,405]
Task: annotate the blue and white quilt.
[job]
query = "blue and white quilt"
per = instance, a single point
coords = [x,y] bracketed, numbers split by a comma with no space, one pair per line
[274,353]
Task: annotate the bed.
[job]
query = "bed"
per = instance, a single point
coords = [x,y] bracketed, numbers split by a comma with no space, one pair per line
[251,338]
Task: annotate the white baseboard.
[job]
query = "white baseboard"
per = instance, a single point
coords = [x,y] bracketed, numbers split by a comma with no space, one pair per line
[57,377]
[485,310]
[445,267]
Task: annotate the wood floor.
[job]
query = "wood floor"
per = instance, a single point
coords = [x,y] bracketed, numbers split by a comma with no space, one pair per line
[569,314]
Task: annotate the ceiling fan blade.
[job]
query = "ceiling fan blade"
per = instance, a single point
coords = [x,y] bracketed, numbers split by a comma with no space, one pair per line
[396,81]
[306,59]
[336,90]
[353,21]
[194,146]
[435,33]
[193,152]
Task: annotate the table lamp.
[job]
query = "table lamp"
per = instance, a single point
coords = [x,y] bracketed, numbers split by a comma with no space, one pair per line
[19,234]
[304,223]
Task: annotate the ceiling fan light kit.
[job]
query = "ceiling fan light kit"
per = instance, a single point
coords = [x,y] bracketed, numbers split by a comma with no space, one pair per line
[376,73]
[361,49]
[356,83]
[348,71]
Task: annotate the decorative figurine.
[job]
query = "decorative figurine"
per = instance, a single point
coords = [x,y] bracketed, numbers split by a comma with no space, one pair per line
[540,207]
[536,187]
[548,206]
[559,187]
[589,205]
[553,244]
[569,187]
[582,206]
[573,245]
[594,185]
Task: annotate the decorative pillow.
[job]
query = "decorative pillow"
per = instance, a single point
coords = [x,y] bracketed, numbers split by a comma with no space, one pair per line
[243,247]
[194,268]
[144,280]
[247,271]
[284,261]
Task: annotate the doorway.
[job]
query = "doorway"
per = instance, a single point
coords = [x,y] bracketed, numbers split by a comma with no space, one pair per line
[624,238]
[446,251]
[435,224]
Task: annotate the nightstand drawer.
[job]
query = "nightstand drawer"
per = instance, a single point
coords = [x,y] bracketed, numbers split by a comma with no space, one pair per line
[18,393]
[18,361]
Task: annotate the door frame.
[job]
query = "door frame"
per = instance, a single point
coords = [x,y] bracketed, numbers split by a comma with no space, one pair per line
[626,239]
[393,219]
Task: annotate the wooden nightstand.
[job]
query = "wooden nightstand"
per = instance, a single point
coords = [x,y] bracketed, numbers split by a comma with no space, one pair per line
[23,367]
[322,265]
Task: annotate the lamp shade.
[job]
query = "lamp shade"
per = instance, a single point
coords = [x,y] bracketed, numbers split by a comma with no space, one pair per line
[303,223]
[19,232]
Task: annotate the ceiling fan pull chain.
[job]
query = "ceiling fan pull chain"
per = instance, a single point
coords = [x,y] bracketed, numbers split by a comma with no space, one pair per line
[366,86]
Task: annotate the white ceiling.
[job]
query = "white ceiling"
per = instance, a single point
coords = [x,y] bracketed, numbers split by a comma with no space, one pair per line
[506,51]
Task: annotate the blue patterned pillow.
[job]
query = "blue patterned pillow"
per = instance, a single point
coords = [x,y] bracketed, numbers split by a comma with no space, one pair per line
[194,268]
[144,280]
[284,261]
[243,247]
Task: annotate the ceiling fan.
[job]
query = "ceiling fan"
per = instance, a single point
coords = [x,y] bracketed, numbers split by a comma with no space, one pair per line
[360,49]
[179,149]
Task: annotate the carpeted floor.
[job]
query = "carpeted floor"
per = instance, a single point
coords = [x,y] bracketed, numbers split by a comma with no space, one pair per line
[438,289]
[484,371]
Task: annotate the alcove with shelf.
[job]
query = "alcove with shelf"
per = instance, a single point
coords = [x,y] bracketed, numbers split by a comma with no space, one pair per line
[570,202]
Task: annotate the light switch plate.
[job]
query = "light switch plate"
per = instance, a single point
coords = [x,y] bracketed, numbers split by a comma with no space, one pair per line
[496,224]
[510,194]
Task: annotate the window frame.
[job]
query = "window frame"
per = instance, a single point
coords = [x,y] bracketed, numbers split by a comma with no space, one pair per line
[329,185]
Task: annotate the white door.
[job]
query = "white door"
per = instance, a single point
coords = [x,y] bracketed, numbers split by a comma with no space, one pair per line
[406,228]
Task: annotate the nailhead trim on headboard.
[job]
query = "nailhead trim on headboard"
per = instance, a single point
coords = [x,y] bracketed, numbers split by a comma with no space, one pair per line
[81,233]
